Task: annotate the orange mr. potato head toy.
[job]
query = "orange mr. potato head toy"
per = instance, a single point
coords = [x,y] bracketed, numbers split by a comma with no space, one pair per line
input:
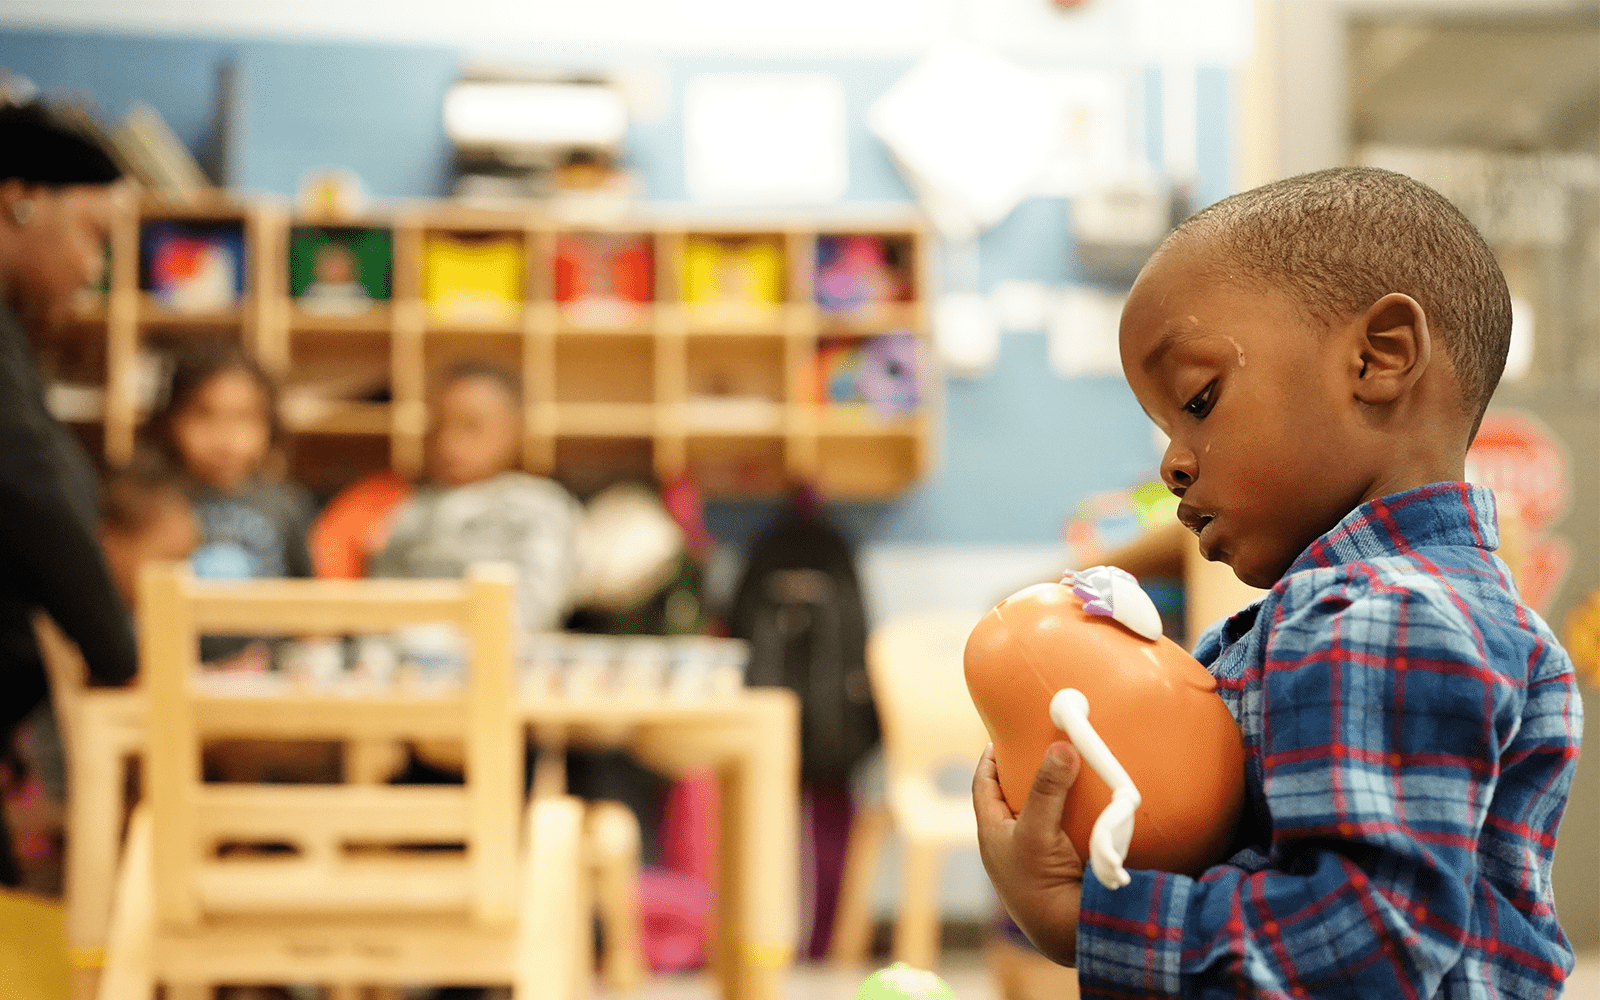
[1165,777]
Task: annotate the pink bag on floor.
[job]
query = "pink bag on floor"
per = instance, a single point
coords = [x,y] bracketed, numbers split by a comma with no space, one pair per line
[677,899]
[675,913]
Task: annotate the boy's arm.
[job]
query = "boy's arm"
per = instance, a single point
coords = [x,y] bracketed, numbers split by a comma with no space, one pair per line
[1379,754]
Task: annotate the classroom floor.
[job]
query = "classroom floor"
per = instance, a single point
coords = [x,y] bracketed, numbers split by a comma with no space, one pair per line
[966,975]
[33,967]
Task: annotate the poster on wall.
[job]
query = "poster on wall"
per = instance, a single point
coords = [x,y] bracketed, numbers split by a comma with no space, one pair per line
[1529,469]
[765,138]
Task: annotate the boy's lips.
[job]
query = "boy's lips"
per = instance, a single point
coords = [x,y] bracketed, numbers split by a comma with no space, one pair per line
[1198,522]
[1193,519]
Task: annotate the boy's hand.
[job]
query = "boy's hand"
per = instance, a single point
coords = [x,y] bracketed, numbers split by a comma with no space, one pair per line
[1032,864]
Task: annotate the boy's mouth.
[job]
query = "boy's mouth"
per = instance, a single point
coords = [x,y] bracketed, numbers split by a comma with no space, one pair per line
[1193,519]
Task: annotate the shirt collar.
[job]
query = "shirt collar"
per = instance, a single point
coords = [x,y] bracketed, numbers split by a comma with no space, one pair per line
[1435,514]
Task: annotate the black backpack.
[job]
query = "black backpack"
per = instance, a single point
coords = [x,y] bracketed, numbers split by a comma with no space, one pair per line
[799,606]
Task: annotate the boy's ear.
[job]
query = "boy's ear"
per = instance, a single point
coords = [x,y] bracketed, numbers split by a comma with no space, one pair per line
[1394,348]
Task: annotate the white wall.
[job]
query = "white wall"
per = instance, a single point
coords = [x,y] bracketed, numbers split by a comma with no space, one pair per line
[1103,30]
[745,27]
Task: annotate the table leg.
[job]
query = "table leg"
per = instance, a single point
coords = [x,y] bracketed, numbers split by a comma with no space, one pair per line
[758,898]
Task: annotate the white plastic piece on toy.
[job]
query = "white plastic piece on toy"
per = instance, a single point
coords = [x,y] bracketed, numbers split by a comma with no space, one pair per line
[1117,591]
[1113,830]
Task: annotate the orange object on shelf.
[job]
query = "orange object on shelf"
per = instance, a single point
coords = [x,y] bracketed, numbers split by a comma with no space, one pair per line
[1155,707]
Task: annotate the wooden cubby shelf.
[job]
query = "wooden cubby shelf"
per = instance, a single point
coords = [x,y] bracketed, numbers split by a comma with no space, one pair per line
[739,351]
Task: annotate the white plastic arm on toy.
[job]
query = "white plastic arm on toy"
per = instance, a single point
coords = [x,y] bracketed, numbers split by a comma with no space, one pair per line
[1113,830]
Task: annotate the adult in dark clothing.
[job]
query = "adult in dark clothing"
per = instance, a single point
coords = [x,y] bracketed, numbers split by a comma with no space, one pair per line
[57,198]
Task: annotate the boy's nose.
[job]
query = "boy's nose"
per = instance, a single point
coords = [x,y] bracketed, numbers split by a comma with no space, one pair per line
[1178,470]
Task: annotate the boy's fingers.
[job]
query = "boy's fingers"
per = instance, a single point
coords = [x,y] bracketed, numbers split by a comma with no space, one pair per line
[987,802]
[1041,817]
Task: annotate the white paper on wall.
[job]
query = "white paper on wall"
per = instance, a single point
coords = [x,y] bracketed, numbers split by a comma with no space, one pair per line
[965,333]
[1092,142]
[1021,306]
[765,138]
[972,130]
[1082,332]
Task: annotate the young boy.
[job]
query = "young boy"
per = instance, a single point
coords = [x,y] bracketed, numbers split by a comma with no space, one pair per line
[147,517]
[1320,351]
[474,507]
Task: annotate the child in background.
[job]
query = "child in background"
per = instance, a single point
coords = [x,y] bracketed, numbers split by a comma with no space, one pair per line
[219,427]
[146,517]
[1320,352]
[473,506]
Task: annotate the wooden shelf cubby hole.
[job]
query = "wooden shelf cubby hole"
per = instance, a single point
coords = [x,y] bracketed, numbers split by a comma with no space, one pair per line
[609,392]
[326,463]
[587,465]
[613,369]
[736,384]
[604,280]
[860,467]
[738,466]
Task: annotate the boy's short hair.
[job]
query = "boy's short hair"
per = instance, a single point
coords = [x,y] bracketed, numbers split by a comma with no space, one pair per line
[464,369]
[1343,238]
[132,495]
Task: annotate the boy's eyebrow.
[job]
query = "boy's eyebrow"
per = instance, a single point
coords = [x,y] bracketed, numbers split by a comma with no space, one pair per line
[1173,338]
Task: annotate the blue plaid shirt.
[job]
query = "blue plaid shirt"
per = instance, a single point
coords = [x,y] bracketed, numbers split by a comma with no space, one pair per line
[1410,730]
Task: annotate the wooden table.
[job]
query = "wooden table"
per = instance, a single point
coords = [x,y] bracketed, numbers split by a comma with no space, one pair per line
[751,739]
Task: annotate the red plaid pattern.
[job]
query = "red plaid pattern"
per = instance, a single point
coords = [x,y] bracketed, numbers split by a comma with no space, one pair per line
[1411,730]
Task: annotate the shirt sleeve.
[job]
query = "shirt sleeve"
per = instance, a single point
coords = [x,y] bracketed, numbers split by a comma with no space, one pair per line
[52,553]
[1379,751]
[547,520]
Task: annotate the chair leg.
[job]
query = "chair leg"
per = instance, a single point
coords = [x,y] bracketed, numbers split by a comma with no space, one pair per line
[130,951]
[553,911]
[852,917]
[916,932]
[611,841]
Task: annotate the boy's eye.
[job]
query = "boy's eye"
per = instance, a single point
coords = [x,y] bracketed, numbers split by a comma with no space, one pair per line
[1200,405]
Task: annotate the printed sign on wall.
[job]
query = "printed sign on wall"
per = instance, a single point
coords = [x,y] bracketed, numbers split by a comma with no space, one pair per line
[1528,468]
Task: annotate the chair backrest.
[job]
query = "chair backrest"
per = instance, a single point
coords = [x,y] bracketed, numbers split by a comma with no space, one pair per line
[928,720]
[343,848]
[69,675]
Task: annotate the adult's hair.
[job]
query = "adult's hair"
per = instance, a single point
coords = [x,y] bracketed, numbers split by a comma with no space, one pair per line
[467,369]
[192,369]
[1341,239]
[43,146]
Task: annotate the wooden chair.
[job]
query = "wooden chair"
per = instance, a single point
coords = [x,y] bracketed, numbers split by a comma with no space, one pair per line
[333,883]
[915,665]
[94,836]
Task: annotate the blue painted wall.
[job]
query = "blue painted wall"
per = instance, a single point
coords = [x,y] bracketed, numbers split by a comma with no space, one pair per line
[1022,446]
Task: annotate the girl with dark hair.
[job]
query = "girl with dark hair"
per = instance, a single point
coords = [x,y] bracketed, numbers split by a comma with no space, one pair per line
[58,194]
[219,426]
